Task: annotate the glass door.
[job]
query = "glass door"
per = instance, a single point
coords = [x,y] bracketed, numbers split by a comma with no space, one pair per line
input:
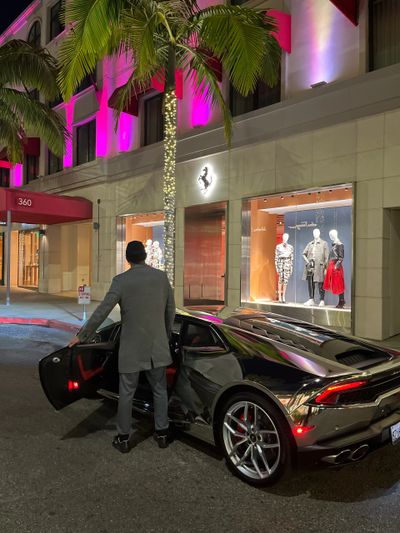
[205,255]
[28,275]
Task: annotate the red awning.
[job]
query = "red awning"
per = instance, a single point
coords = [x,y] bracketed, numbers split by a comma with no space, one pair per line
[42,208]
[31,146]
[349,8]
[157,83]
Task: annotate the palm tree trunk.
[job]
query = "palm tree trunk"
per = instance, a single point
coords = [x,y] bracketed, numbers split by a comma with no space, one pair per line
[170,117]
[169,181]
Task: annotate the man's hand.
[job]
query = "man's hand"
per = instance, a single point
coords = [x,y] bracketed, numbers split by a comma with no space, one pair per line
[73,341]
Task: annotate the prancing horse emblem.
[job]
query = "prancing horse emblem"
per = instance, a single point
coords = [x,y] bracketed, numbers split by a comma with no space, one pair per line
[205,179]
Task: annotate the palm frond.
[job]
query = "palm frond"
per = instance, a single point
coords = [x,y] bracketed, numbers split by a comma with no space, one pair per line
[132,87]
[34,118]
[11,135]
[237,37]
[206,85]
[23,64]
[92,24]
[141,26]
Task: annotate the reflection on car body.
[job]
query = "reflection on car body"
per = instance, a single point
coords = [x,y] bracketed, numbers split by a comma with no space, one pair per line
[269,390]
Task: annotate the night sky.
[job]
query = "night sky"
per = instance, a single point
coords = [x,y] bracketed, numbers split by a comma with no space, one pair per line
[10,11]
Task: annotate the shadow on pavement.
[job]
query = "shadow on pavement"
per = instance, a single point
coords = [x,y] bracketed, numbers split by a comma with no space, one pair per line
[373,477]
[103,419]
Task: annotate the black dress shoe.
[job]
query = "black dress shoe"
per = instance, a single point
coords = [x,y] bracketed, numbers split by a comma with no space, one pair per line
[340,305]
[122,445]
[163,438]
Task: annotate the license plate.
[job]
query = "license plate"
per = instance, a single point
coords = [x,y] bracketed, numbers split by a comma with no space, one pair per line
[395,433]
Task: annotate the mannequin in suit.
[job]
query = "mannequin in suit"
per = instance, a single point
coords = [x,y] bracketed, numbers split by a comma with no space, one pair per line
[315,255]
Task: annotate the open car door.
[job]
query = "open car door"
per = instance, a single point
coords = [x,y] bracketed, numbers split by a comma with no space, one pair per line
[70,374]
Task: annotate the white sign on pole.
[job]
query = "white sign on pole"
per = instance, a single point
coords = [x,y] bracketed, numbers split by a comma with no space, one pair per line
[83,295]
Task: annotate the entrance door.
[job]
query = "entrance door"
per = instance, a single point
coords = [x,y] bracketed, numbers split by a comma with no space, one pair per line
[29,259]
[205,255]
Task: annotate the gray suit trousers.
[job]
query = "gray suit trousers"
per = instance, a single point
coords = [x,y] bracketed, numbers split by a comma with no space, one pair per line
[127,386]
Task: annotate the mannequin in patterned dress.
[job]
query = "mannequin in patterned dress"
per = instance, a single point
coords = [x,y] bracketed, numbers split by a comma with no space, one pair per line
[283,265]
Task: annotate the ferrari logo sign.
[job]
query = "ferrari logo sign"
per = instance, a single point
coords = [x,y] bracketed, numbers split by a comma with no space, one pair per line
[206,179]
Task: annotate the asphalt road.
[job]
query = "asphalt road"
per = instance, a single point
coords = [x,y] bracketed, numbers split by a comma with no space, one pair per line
[59,472]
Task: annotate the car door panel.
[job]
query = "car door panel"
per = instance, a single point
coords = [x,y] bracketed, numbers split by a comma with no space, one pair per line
[73,373]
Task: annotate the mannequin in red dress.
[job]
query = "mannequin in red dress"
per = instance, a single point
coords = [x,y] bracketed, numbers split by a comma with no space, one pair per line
[334,279]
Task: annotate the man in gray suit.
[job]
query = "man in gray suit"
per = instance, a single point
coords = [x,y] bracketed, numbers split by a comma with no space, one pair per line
[147,316]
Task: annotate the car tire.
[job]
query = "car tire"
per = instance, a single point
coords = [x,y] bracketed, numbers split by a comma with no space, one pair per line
[257,449]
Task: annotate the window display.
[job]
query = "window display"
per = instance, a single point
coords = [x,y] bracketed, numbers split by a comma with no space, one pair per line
[297,249]
[147,228]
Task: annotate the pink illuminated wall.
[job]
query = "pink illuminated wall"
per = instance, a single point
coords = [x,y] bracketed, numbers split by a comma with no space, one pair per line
[125,132]
[69,120]
[201,109]
[16,176]
[19,23]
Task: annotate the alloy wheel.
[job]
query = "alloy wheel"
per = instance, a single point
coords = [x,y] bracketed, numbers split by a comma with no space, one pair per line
[251,440]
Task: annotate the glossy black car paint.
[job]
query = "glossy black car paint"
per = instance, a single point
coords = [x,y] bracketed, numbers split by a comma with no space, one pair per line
[284,360]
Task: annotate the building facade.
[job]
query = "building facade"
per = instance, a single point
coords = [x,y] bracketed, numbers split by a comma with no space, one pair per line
[319,152]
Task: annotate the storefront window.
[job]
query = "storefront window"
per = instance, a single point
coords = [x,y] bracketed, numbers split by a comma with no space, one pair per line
[147,228]
[297,249]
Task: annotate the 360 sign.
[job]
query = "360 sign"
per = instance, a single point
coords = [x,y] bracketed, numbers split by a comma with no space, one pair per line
[23,201]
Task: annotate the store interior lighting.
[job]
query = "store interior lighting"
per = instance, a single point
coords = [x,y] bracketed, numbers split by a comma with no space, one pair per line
[306,207]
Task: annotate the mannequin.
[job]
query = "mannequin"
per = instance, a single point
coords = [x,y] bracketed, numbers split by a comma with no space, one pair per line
[283,265]
[157,255]
[149,250]
[334,279]
[315,255]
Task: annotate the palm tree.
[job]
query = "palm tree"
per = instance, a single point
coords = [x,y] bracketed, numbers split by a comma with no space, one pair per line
[23,70]
[161,36]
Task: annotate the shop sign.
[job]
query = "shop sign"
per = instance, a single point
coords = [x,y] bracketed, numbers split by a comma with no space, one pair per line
[83,294]
[206,179]
[23,201]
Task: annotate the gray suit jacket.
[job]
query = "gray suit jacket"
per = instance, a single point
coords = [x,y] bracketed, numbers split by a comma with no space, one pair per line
[147,315]
[320,253]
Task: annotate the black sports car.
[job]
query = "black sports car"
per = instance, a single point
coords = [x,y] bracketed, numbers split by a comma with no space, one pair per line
[267,389]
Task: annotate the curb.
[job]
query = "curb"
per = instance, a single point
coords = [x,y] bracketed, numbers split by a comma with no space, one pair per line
[45,322]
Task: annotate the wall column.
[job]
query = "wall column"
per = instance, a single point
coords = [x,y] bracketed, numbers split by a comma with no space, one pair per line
[234,257]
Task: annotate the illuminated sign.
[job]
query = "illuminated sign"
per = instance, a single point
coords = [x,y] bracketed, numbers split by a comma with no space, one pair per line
[206,179]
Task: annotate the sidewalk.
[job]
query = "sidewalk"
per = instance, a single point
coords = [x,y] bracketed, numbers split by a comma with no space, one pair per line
[50,310]
[63,311]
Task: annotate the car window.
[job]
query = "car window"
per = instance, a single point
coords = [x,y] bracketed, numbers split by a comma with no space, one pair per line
[197,335]
[176,328]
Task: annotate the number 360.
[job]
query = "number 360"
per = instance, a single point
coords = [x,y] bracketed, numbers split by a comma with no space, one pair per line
[26,202]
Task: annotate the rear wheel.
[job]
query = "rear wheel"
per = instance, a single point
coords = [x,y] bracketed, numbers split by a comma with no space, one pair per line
[254,438]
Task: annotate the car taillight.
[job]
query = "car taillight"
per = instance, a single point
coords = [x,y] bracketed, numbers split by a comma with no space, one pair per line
[330,395]
[72,385]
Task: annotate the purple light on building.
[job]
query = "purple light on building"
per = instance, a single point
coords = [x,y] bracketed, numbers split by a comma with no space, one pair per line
[16,175]
[125,132]
[69,120]
[201,109]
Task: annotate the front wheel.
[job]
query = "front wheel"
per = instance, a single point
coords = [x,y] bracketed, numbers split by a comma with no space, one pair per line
[254,438]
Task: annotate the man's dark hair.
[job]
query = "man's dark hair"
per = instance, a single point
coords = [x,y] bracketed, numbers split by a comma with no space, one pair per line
[135,252]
